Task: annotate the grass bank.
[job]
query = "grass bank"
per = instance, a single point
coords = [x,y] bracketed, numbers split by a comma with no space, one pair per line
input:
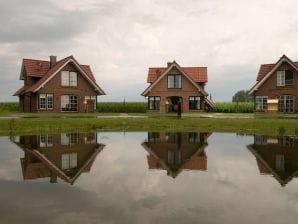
[242,126]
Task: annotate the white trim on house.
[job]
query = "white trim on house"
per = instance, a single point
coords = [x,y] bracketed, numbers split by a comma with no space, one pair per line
[79,68]
[276,66]
[174,64]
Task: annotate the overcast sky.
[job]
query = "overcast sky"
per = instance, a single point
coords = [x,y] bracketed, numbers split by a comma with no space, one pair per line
[120,39]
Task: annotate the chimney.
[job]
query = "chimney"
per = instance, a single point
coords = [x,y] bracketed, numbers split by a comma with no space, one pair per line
[169,63]
[53,60]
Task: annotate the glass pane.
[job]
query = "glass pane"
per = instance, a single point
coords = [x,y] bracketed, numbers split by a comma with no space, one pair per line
[65,78]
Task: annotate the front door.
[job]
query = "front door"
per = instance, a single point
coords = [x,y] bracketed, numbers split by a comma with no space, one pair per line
[172,103]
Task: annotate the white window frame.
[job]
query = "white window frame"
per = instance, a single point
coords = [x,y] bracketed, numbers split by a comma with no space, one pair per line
[261,103]
[91,98]
[69,79]
[174,81]
[67,100]
[45,141]
[69,160]
[285,102]
[280,78]
[45,101]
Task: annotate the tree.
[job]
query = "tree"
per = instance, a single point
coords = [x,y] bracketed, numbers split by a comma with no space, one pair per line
[242,96]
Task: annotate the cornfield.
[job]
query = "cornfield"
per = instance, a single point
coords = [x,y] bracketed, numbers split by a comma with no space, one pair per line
[122,107]
[229,107]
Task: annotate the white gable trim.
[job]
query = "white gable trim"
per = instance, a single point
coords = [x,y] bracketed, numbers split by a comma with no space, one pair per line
[166,72]
[79,68]
[283,59]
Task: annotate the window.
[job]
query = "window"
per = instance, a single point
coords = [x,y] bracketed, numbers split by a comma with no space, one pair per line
[285,78]
[261,140]
[91,98]
[261,103]
[45,141]
[45,101]
[69,103]
[69,78]
[69,139]
[286,103]
[194,137]
[286,141]
[153,137]
[90,138]
[194,103]
[280,162]
[69,161]
[174,81]
[174,157]
[154,102]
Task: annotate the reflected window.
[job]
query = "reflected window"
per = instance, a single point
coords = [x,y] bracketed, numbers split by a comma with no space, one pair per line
[286,140]
[260,140]
[193,137]
[172,137]
[280,162]
[153,137]
[45,141]
[69,161]
[90,138]
[174,157]
[69,139]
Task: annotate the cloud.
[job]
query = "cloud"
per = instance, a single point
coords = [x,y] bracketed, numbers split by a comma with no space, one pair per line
[121,39]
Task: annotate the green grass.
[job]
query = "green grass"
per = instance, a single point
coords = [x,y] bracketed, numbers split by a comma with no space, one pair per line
[55,125]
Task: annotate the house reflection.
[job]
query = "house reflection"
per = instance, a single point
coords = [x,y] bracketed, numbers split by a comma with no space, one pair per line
[66,156]
[277,156]
[175,152]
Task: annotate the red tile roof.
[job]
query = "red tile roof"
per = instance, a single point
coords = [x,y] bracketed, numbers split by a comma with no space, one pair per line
[265,69]
[197,74]
[41,69]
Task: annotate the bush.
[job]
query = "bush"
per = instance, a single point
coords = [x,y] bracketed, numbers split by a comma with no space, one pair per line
[234,107]
[122,107]
[9,107]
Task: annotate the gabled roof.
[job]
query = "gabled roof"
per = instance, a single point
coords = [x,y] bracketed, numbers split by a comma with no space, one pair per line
[161,72]
[266,70]
[265,167]
[197,74]
[42,70]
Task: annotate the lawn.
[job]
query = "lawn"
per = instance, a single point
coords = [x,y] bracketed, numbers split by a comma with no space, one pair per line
[269,126]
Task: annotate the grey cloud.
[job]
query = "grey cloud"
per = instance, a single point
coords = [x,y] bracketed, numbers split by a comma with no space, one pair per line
[39,21]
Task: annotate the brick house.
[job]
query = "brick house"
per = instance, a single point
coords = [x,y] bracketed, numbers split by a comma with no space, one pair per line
[276,156]
[173,84]
[175,152]
[277,82]
[57,86]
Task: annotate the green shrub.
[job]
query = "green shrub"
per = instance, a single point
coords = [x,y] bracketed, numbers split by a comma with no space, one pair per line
[229,107]
[122,107]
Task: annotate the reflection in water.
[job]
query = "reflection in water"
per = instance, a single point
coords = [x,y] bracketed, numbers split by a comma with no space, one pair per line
[277,156]
[60,155]
[175,152]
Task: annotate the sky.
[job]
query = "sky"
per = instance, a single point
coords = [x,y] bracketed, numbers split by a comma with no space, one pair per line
[121,39]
